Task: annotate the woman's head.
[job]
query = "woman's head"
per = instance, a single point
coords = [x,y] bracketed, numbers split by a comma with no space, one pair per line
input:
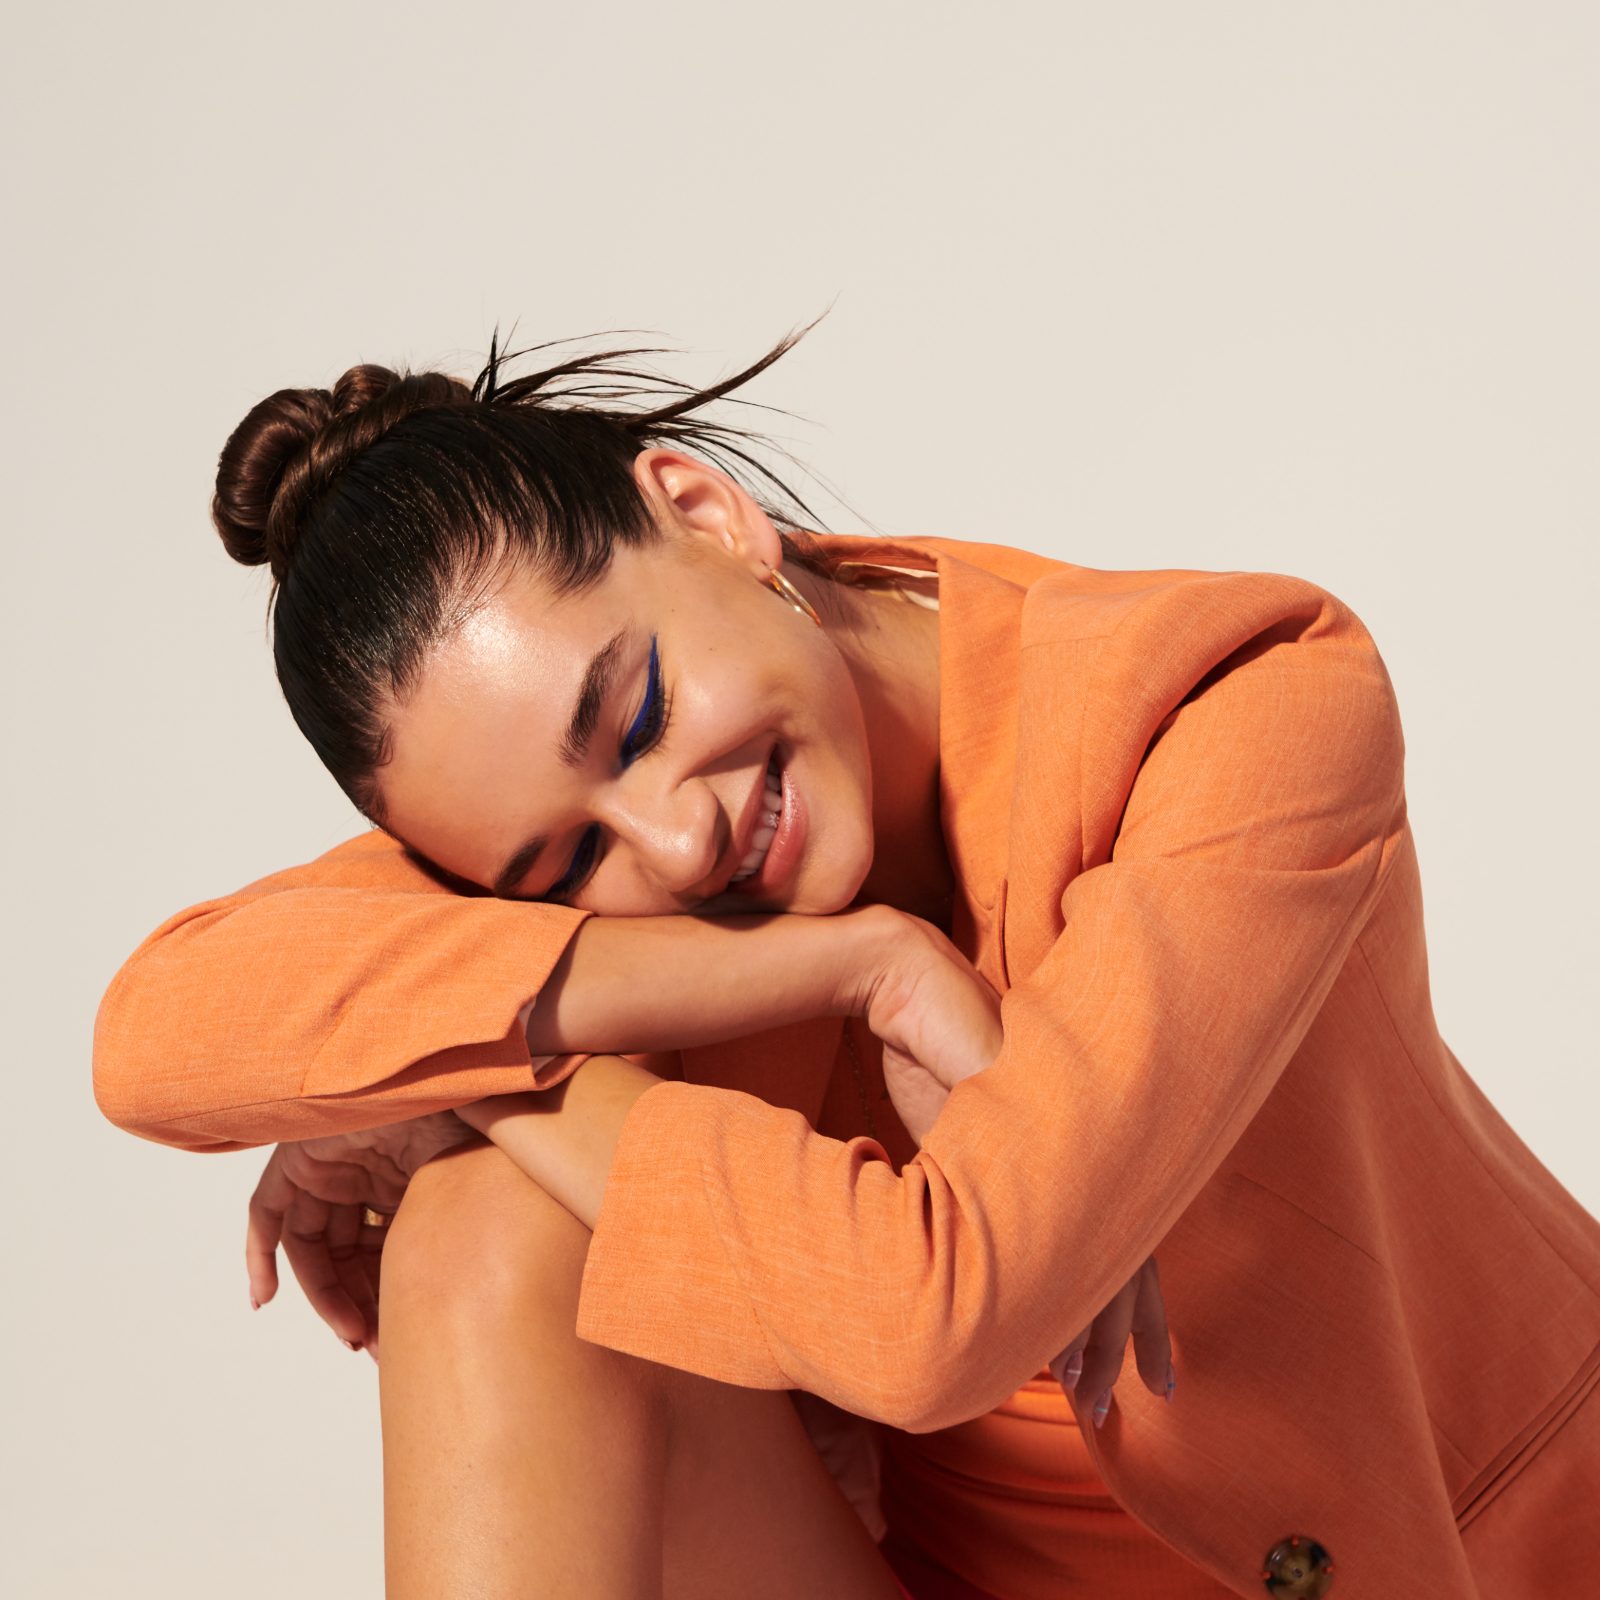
[453,563]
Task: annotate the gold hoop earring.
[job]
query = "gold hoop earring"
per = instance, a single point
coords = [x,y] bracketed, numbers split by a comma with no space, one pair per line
[780,585]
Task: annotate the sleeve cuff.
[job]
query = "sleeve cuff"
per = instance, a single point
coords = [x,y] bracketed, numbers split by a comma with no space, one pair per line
[656,1266]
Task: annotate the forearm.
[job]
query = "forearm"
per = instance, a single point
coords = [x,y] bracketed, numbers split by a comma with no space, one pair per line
[633,984]
[629,985]
[564,1138]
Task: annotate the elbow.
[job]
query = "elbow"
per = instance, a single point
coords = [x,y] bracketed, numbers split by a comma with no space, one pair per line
[110,1030]
[161,1060]
[925,1409]
[934,1402]
[942,1377]
[131,1091]
[907,1402]
[119,1087]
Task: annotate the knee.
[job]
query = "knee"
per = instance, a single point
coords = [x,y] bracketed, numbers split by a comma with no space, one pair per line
[476,1240]
[481,1270]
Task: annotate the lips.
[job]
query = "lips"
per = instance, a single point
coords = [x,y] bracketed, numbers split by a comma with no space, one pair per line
[781,861]
[767,829]
[744,834]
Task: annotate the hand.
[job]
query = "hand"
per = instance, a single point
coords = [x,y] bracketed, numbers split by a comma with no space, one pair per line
[940,1022]
[938,1019]
[310,1198]
[1093,1360]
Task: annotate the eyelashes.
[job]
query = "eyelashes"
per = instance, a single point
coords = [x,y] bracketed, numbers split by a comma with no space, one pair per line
[651,723]
[653,713]
[580,869]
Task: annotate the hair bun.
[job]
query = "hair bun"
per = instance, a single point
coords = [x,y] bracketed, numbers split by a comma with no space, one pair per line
[291,446]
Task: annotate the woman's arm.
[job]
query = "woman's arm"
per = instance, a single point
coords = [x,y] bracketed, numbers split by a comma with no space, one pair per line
[357,990]
[939,1020]
[625,985]
[1250,845]
[940,1024]
[348,991]
[565,1138]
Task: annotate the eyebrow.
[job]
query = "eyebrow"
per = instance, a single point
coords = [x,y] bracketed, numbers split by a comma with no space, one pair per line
[574,748]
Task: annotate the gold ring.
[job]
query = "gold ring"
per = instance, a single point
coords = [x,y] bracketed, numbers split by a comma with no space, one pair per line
[374,1219]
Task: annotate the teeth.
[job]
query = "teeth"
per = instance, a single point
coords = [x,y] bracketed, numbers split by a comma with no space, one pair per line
[766,829]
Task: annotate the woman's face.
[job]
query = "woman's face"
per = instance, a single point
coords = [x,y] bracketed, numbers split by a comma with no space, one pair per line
[703,674]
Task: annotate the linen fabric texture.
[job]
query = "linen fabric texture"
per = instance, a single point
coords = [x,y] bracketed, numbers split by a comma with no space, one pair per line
[1174,800]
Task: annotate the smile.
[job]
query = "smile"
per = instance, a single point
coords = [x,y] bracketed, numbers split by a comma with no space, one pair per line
[767,828]
[779,839]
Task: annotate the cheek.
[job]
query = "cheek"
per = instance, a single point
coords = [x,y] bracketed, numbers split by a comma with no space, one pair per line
[836,778]
[841,728]
[738,687]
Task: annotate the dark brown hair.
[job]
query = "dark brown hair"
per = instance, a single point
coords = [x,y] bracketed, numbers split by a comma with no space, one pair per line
[386,505]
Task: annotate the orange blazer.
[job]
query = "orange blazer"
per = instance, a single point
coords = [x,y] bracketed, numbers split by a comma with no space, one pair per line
[1174,801]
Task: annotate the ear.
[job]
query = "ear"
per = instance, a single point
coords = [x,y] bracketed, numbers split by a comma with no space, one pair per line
[693,500]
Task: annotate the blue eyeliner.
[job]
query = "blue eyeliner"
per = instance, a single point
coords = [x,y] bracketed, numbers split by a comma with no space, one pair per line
[571,875]
[580,861]
[649,699]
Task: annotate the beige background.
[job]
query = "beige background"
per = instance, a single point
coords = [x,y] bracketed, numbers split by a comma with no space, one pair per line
[1233,285]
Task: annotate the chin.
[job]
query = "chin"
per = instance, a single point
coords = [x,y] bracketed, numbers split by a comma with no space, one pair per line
[847,893]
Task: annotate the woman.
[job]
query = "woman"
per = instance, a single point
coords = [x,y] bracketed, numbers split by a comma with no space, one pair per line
[1161,813]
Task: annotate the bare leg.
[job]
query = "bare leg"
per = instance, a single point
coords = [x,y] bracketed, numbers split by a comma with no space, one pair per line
[520,1460]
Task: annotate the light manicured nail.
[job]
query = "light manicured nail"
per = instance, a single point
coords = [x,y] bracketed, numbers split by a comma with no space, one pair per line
[349,1344]
[1073,1371]
[1102,1407]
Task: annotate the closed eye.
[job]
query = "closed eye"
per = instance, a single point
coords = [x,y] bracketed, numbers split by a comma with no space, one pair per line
[651,721]
[647,732]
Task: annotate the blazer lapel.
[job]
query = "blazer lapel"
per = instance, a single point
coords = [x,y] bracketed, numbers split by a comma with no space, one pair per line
[981,593]
[980,610]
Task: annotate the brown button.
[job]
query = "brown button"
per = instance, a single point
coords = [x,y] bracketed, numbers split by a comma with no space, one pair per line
[1298,1566]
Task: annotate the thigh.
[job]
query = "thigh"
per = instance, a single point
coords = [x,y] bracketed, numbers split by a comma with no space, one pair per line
[724,1482]
[752,1510]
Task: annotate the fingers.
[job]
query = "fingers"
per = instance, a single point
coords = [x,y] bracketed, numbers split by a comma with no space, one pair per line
[341,1183]
[343,1237]
[1068,1366]
[1103,1354]
[333,1254]
[1092,1362]
[263,1229]
[1152,1348]
[306,1243]
[370,1254]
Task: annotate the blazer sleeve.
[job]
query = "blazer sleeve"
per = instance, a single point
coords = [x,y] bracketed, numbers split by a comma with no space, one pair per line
[1242,742]
[353,990]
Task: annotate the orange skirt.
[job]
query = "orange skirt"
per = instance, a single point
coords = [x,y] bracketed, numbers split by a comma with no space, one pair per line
[932,1582]
[1009,1506]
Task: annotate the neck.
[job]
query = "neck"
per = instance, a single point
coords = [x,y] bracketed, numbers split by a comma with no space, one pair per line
[891,649]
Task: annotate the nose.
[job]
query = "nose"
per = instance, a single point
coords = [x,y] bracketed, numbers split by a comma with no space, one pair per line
[677,835]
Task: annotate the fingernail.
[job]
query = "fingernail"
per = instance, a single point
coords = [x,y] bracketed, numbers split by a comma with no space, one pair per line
[255,1305]
[1172,1382]
[1073,1371]
[348,1343]
[1101,1407]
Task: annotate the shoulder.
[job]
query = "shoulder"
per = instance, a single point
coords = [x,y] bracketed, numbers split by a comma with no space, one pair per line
[1118,615]
[1263,669]
[1135,642]
[1071,604]
[1155,636]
